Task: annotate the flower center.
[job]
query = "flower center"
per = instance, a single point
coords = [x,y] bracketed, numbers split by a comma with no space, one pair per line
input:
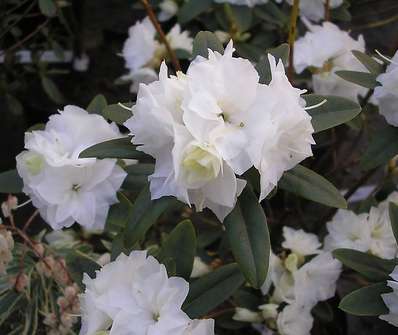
[34,164]
[76,187]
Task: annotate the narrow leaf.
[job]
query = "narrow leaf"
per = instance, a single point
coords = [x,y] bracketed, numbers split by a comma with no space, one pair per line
[116,113]
[367,61]
[205,40]
[191,9]
[248,236]
[137,176]
[97,105]
[366,301]
[393,211]
[280,52]
[10,182]
[363,79]
[310,185]
[52,90]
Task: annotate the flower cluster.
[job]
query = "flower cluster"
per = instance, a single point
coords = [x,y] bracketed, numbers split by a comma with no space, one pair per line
[143,53]
[217,121]
[391,299]
[386,95]
[324,59]
[295,285]
[6,246]
[367,232]
[64,187]
[134,295]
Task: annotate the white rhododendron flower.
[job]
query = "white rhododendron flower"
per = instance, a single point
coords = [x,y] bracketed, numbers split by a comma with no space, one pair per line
[391,299]
[386,95]
[295,320]
[249,3]
[168,8]
[217,121]
[134,295]
[143,53]
[314,10]
[64,187]
[324,59]
[300,242]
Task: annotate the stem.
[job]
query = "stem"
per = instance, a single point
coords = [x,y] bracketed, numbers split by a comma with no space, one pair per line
[327,10]
[292,36]
[163,38]
[30,220]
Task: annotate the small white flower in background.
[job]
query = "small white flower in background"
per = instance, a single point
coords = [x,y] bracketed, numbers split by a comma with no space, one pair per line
[295,320]
[386,95]
[6,246]
[64,187]
[143,54]
[200,268]
[9,205]
[168,8]
[134,295]
[391,300]
[324,59]
[314,10]
[300,242]
[246,315]
[249,3]
[81,63]
[217,121]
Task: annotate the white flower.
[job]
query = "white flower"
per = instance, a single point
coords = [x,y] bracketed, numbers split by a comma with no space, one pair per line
[269,311]
[133,295]
[316,280]
[143,54]
[391,300]
[64,187]
[249,3]
[6,246]
[300,242]
[200,268]
[348,230]
[324,59]
[386,95]
[295,320]
[81,64]
[314,10]
[246,315]
[168,8]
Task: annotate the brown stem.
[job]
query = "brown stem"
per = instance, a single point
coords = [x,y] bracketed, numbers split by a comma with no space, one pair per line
[30,220]
[292,36]
[327,10]
[163,38]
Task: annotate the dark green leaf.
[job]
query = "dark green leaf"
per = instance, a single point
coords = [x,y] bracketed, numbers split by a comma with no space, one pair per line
[393,211]
[280,52]
[52,90]
[248,236]
[205,40]
[333,112]
[240,16]
[119,214]
[119,148]
[382,147]
[363,79]
[145,213]
[182,54]
[211,290]
[264,70]
[180,246]
[48,7]
[97,105]
[367,61]
[191,9]
[366,301]
[372,267]
[137,176]
[310,185]
[117,113]
[10,182]
[80,263]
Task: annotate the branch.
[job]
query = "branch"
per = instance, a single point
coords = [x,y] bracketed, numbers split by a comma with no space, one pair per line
[327,10]
[163,38]
[292,36]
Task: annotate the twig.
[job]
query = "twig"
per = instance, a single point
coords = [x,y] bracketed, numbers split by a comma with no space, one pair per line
[163,38]
[327,10]
[292,36]
[377,23]
[30,220]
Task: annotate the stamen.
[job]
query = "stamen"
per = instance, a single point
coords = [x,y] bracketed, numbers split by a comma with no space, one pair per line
[316,106]
[389,60]
[25,203]
[125,107]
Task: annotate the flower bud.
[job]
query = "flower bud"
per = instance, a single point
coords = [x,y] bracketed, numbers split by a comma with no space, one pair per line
[246,315]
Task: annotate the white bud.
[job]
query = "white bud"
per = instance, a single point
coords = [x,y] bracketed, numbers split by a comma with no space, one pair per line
[200,268]
[246,315]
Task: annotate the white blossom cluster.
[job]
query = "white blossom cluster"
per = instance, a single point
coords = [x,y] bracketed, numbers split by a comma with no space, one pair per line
[64,187]
[386,95]
[391,299]
[367,232]
[217,121]
[6,246]
[325,49]
[134,295]
[298,283]
[249,3]
[143,53]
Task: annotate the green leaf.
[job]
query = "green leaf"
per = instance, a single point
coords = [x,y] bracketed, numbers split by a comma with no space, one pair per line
[264,70]
[191,9]
[368,62]
[48,7]
[10,182]
[119,214]
[280,52]
[116,113]
[51,89]
[333,112]
[182,54]
[248,236]
[393,211]
[203,41]
[118,148]
[97,105]
[144,214]
[211,290]
[383,146]
[366,301]
[80,263]
[137,176]
[241,16]
[372,267]
[363,79]
[180,245]
[310,185]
